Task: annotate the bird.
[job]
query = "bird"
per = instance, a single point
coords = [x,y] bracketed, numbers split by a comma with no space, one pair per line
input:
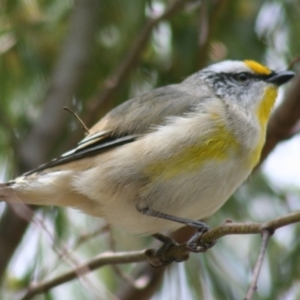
[167,158]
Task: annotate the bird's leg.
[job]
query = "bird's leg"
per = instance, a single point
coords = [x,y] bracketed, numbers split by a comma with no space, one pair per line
[201,226]
[194,244]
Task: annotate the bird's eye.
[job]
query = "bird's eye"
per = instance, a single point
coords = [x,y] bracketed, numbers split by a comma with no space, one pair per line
[241,77]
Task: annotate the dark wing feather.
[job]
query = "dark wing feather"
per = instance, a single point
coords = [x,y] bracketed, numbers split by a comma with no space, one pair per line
[80,152]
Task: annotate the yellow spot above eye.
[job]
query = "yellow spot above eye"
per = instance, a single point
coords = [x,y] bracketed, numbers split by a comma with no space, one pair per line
[257,68]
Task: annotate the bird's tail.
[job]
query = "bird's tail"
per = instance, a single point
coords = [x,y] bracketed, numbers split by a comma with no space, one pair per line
[7,193]
[47,189]
[37,190]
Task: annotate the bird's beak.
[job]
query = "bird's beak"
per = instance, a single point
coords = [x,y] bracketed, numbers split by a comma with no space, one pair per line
[279,78]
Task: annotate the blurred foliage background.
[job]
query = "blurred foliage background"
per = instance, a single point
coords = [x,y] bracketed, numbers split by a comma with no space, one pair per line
[92,55]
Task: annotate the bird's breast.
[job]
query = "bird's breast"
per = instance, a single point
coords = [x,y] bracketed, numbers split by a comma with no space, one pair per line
[218,146]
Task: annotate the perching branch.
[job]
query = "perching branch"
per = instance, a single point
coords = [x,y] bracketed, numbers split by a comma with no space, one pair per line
[178,251]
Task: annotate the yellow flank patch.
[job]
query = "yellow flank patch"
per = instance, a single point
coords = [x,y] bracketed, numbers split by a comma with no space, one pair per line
[263,113]
[216,147]
[257,68]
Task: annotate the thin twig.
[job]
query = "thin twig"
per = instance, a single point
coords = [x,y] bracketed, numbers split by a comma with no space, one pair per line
[78,118]
[67,251]
[293,62]
[125,276]
[116,268]
[266,234]
[64,253]
[87,236]
[97,262]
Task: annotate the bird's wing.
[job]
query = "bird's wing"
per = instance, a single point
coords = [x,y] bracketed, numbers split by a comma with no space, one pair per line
[129,121]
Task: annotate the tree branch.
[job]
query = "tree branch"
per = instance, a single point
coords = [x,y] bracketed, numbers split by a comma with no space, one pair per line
[178,251]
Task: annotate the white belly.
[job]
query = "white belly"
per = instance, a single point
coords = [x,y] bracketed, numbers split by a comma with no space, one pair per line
[195,196]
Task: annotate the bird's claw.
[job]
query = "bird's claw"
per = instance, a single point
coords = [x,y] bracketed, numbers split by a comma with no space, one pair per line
[195,244]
